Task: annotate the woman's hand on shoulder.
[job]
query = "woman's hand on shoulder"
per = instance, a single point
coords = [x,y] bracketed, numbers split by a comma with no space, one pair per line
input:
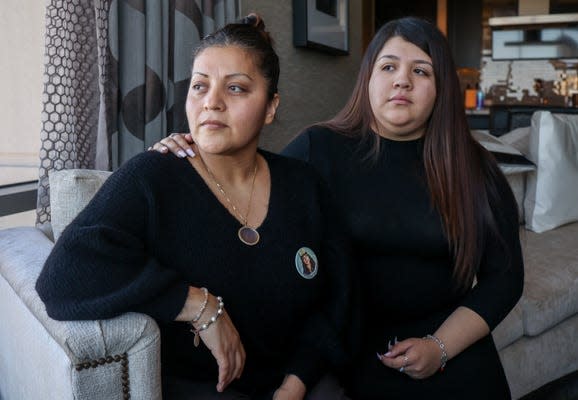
[292,388]
[417,358]
[177,143]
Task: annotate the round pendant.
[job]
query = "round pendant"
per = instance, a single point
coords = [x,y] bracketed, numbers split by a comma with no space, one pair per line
[248,235]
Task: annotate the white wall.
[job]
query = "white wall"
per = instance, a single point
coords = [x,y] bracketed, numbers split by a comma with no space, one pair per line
[21,67]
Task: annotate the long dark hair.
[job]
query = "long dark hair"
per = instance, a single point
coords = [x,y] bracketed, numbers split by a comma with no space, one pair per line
[249,34]
[458,170]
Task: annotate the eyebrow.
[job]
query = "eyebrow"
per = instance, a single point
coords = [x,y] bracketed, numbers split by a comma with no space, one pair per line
[393,57]
[233,75]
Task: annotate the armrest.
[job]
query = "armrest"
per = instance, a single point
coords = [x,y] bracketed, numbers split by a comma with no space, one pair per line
[107,357]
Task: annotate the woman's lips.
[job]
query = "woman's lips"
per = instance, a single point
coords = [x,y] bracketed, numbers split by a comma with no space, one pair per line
[400,100]
[213,124]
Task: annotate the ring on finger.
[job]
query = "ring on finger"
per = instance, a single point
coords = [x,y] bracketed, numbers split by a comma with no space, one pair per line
[404,366]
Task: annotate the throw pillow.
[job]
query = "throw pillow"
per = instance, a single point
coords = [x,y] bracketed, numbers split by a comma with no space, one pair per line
[511,160]
[519,138]
[504,149]
[552,192]
[70,192]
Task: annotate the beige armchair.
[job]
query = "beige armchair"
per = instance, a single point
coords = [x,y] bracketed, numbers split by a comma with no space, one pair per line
[41,358]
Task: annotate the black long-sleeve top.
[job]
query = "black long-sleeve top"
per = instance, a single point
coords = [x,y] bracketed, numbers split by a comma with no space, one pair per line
[403,263]
[155,228]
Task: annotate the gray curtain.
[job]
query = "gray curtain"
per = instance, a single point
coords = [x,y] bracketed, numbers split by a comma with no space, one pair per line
[115,78]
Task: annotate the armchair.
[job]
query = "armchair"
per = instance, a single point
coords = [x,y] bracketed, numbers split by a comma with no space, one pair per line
[41,358]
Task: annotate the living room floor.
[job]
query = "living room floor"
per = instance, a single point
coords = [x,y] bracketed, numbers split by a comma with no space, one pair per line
[565,388]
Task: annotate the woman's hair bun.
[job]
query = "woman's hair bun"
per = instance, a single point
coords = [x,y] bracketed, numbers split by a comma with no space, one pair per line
[254,20]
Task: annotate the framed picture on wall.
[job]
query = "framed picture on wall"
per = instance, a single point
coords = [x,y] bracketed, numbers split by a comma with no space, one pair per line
[321,25]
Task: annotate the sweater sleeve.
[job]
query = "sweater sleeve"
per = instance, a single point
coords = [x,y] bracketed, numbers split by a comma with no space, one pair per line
[321,344]
[100,267]
[500,278]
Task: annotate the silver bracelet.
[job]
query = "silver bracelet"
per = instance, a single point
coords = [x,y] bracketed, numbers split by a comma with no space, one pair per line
[444,357]
[203,305]
[211,321]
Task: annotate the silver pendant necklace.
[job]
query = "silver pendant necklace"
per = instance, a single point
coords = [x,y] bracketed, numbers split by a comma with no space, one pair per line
[247,234]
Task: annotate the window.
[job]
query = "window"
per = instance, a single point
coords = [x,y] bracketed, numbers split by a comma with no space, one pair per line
[21,67]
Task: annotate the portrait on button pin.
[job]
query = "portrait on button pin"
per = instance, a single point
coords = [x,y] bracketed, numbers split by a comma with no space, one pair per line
[306,262]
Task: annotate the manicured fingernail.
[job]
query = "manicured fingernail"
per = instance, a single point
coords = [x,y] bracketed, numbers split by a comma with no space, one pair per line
[190,152]
[395,340]
[387,354]
[389,346]
[164,149]
[181,154]
[378,356]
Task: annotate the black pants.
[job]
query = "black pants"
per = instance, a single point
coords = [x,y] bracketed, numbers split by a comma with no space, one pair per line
[181,389]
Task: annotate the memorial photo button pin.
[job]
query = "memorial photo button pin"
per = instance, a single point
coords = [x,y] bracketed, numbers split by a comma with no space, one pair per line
[306,262]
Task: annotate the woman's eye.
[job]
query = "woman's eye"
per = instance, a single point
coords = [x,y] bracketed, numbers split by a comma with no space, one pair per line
[196,86]
[236,89]
[387,67]
[421,71]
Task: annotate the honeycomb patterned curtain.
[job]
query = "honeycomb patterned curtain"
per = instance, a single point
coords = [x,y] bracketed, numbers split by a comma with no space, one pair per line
[115,78]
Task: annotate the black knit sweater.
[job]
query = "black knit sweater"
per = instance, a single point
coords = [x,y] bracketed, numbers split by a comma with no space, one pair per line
[155,228]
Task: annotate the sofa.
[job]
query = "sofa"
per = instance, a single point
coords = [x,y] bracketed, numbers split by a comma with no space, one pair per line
[41,358]
[538,340]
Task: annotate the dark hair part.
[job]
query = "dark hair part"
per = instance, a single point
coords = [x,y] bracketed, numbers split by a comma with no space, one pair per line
[459,171]
[249,34]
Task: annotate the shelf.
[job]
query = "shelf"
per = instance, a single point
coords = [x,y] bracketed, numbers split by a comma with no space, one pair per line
[547,19]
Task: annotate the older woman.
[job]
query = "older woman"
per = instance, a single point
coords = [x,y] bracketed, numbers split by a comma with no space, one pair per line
[207,245]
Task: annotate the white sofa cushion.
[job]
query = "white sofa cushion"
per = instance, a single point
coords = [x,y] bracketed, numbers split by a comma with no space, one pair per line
[511,159]
[70,192]
[518,138]
[504,148]
[552,190]
[39,355]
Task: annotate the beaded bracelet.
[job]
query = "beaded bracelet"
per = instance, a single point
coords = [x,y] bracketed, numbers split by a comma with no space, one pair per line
[206,325]
[203,305]
[444,357]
